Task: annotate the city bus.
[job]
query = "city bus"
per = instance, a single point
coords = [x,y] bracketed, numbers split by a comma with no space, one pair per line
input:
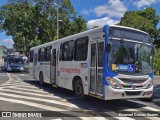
[109,62]
[13,63]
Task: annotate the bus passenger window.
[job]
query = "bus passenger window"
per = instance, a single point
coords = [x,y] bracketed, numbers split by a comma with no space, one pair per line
[48,53]
[41,54]
[81,49]
[100,54]
[31,56]
[60,53]
[68,49]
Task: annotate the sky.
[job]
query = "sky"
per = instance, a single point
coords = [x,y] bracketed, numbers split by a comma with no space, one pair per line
[99,12]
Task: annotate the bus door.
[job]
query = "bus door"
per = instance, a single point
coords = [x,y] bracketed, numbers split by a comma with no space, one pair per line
[35,57]
[96,67]
[53,66]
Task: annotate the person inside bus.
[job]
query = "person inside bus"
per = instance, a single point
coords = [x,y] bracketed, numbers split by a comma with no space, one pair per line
[128,59]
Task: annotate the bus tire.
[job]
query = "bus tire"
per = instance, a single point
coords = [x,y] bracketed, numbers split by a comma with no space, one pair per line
[41,80]
[78,89]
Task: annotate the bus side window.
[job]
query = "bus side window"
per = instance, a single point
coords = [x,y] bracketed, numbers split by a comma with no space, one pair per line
[60,52]
[81,49]
[48,53]
[31,56]
[41,54]
[68,49]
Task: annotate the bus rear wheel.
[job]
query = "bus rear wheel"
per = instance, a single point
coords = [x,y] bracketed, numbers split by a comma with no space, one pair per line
[79,92]
[41,81]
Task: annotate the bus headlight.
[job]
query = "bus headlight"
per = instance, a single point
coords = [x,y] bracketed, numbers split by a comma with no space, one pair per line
[8,68]
[150,84]
[21,68]
[113,83]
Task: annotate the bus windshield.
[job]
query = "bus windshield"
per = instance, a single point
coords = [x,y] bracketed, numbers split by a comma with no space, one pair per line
[130,58]
[13,60]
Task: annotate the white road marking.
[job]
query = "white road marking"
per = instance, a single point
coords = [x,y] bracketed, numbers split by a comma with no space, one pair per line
[40,99]
[152,109]
[124,118]
[26,86]
[93,118]
[21,86]
[31,90]
[57,119]
[52,101]
[6,85]
[32,104]
[35,94]
[129,109]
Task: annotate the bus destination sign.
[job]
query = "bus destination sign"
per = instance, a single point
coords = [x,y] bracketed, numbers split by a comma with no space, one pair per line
[129,34]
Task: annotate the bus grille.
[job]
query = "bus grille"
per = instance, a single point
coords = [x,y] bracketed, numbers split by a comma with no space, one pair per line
[129,93]
[13,66]
[133,80]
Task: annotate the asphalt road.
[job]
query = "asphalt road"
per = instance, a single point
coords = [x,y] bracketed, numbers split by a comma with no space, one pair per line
[3,77]
[19,92]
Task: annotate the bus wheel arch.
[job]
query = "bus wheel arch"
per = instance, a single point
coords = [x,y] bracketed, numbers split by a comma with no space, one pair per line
[78,87]
[41,78]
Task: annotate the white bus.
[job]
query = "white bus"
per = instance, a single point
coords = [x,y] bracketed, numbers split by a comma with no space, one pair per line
[109,62]
[13,63]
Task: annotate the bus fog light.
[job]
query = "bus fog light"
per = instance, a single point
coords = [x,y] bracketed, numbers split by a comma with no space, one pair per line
[149,93]
[113,83]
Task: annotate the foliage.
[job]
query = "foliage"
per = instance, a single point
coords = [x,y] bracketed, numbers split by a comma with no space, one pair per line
[156,61]
[33,22]
[145,20]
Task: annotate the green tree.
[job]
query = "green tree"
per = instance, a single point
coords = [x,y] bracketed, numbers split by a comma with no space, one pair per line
[33,22]
[145,20]
[156,61]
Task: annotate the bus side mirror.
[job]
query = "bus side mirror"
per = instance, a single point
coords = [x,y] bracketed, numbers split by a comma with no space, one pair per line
[108,47]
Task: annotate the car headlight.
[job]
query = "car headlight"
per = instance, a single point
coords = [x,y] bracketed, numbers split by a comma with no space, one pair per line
[149,85]
[113,83]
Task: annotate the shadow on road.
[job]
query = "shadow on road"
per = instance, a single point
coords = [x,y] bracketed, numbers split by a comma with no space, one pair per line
[91,103]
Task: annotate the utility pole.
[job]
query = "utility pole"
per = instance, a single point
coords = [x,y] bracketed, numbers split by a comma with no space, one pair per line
[57,19]
[57,22]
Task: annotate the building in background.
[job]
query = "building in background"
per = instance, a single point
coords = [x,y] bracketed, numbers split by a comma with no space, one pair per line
[3,52]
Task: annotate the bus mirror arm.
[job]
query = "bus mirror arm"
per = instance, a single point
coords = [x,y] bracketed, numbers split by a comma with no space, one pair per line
[108,47]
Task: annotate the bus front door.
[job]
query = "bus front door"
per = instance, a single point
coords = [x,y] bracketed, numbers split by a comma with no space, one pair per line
[96,67]
[53,66]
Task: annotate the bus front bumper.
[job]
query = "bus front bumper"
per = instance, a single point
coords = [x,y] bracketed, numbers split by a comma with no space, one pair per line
[15,69]
[110,93]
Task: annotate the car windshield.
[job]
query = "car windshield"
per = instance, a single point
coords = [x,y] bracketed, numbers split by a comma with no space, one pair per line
[130,58]
[13,60]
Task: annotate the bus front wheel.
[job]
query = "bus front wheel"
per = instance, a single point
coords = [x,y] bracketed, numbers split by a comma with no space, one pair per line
[41,78]
[79,92]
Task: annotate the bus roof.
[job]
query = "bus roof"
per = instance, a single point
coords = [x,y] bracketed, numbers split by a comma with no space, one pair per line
[118,26]
[99,29]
